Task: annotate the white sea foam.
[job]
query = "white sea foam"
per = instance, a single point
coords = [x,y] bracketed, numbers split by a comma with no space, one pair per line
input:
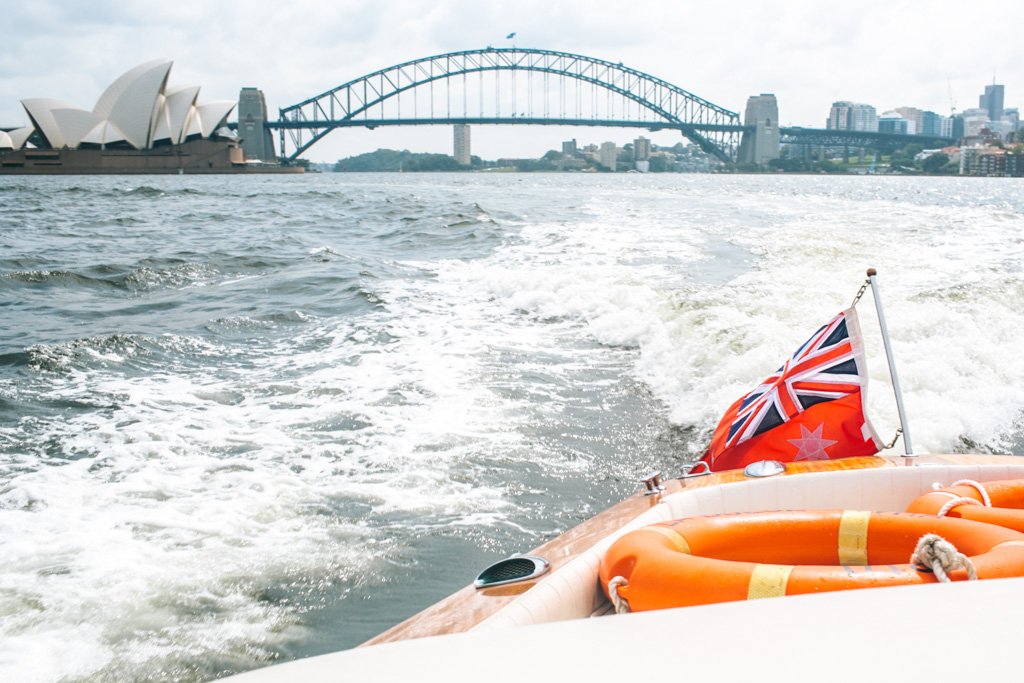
[950,279]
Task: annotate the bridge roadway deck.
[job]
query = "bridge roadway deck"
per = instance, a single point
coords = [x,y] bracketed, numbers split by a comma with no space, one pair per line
[789,134]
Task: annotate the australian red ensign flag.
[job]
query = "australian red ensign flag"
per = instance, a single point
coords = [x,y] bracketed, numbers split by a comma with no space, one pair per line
[812,408]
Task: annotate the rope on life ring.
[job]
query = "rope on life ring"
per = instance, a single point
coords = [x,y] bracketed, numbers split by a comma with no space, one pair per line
[618,602]
[994,502]
[937,555]
[955,501]
[977,486]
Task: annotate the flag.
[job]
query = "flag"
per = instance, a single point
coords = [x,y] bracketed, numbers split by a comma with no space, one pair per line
[811,408]
[510,36]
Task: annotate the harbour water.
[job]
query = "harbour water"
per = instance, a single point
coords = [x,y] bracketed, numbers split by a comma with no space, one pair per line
[244,420]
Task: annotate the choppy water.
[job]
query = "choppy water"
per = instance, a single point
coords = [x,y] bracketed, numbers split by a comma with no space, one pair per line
[248,419]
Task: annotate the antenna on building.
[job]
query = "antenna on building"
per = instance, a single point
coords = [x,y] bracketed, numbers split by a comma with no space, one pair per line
[952,104]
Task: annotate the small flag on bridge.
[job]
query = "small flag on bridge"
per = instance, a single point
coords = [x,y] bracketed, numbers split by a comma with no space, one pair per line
[510,36]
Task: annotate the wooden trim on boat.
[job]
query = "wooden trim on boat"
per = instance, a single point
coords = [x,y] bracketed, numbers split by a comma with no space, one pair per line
[467,607]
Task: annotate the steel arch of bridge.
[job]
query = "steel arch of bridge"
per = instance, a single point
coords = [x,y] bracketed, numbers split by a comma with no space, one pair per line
[715,129]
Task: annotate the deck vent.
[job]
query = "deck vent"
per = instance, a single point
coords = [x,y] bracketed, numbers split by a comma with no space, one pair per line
[512,569]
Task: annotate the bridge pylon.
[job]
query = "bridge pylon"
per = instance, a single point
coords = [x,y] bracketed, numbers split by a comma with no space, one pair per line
[760,142]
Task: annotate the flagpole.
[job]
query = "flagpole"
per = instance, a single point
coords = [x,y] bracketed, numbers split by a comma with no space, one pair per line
[907,445]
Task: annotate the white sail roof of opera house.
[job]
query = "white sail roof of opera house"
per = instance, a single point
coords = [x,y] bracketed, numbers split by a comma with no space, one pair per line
[137,109]
[15,139]
[176,114]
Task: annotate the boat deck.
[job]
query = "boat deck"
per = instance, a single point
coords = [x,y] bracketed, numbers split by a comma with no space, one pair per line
[468,607]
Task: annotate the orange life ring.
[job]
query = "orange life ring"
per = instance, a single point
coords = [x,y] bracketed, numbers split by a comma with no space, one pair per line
[995,502]
[722,558]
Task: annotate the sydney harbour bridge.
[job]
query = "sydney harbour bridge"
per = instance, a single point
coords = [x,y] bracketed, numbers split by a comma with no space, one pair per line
[519,86]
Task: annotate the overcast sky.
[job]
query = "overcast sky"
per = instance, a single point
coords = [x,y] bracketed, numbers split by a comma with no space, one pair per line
[888,53]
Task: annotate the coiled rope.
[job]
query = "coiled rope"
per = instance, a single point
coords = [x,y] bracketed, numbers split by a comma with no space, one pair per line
[936,554]
[618,602]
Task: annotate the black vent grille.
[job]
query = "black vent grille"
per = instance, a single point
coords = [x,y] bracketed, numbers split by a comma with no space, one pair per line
[511,569]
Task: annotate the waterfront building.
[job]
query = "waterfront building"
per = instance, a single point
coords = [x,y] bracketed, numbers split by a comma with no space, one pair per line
[257,142]
[462,145]
[986,156]
[608,155]
[569,148]
[992,162]
[992,102]
[641,149]
[15,139]
[137,111]
[642,154]
[969,159]
[953,152]
[139,124]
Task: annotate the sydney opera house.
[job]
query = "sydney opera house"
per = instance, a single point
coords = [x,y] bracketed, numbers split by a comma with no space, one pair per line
[138,125]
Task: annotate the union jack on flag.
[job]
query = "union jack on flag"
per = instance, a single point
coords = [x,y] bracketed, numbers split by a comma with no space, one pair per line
[815,398]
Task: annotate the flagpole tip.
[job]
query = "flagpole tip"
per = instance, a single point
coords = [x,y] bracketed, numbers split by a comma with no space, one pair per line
[872,272]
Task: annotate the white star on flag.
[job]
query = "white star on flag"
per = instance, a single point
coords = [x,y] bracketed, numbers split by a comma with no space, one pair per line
[811,445]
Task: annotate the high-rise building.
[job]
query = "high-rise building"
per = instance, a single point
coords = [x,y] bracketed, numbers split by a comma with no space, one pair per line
[914,118]
[931,124]
[839,116]
[975,120]
[957,126]
[946,126]
[920,122]
[992,102]
[569,148]
[641,149]
[1012,116]
[608,155]
[846,115]
[865,118]
[257,142]
[462,147]
[892,122]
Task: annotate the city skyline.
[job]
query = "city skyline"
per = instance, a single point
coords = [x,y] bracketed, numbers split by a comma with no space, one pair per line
[891,55]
